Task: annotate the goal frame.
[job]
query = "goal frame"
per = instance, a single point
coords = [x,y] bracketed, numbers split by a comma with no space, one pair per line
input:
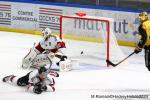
[86,18]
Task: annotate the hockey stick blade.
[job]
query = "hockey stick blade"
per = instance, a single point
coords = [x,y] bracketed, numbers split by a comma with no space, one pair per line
[110,63]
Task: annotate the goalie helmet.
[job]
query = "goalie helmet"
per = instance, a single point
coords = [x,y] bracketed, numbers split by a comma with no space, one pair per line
[46,32]
[143,16]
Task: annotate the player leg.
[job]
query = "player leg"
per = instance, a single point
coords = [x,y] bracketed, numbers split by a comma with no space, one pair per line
[22,81]
[9,78]
[147,57]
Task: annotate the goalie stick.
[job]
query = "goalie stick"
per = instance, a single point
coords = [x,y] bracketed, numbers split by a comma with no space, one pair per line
[114,65]
[50,62]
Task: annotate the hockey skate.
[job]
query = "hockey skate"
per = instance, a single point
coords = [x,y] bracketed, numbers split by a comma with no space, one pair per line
[8,78]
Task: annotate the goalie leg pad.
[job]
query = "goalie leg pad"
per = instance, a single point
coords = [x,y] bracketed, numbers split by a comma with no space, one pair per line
[41,60]
[65,65]
[27,60]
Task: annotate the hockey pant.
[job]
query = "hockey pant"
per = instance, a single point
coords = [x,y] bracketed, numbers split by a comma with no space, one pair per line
[147,57]
[23,81]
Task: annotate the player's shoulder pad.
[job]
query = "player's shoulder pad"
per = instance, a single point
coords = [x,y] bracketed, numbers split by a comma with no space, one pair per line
[146,23]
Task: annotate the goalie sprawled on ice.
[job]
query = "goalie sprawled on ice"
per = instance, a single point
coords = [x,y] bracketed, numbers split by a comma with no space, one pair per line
[49,47]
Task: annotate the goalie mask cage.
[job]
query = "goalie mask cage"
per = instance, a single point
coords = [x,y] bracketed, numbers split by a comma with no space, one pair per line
[98,29]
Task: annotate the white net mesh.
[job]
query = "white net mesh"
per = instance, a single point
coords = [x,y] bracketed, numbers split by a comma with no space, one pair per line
[91,28]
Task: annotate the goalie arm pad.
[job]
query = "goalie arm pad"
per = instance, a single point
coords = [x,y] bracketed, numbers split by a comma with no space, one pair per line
[39,48]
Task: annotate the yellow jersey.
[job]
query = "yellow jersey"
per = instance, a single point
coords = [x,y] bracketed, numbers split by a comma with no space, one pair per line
[146,27]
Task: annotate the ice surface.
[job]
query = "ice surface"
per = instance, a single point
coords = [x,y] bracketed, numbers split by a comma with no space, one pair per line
[79,84]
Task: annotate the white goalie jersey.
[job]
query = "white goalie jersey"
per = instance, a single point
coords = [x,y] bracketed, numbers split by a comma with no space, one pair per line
[50,43]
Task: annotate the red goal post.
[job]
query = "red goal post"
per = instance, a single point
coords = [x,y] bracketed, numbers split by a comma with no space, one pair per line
[100,19]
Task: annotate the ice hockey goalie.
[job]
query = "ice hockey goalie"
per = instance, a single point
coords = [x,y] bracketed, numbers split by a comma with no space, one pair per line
[48,50]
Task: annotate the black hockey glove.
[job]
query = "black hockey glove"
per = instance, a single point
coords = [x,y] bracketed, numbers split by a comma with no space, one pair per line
[37,88]
[137,50]
[63,58]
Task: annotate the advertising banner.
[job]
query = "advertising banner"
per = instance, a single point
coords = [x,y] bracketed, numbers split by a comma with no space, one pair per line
[37,16]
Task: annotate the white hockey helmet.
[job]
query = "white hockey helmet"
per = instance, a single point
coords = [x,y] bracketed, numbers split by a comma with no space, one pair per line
[46,32]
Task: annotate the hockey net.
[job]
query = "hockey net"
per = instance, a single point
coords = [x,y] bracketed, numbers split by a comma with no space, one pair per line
[98,31]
